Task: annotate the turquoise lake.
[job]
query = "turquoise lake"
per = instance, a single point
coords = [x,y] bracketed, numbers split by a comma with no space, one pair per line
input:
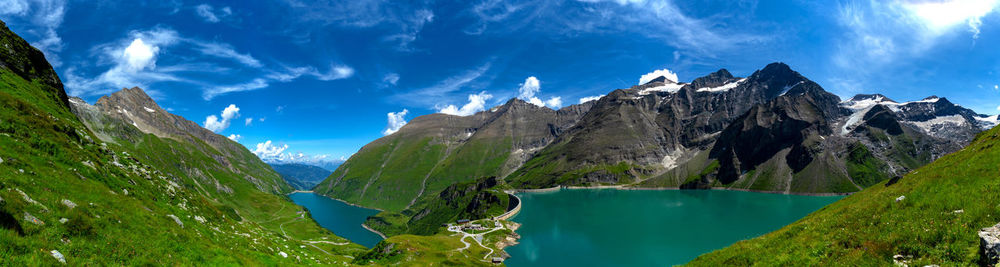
[340,218]
[609,227]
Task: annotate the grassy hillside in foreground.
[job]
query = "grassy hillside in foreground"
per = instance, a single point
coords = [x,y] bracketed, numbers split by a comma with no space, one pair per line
[945,203]
[64,194]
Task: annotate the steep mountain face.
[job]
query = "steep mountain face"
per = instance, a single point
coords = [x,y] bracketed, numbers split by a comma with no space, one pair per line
[301,176]
[66,197]
[929,216]
[116,116]
[648,129]
[435,151]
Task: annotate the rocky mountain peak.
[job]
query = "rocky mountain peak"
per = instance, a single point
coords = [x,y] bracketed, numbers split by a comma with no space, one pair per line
[660,79]
[871,97]
[776,79]
[129,99]
[717,78]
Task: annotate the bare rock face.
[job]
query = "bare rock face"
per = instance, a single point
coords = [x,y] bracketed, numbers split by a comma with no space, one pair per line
[989,245]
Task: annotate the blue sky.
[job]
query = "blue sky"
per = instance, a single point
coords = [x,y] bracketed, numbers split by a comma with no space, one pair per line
[323,78]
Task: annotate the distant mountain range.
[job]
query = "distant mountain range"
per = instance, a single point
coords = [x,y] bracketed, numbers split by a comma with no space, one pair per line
[301,176]
[774,130]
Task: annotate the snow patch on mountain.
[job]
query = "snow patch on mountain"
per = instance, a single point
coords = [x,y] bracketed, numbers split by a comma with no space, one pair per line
[669,88]
[933,125]
[988,122]
[722,88]
[854,120]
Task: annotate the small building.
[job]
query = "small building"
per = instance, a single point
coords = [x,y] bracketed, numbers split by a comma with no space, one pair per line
[497,260]
[463,221]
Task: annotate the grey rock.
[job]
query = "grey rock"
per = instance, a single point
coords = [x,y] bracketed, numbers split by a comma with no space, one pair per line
[989,245]
[69,204]
[176,220]
[58,256]
[32,219]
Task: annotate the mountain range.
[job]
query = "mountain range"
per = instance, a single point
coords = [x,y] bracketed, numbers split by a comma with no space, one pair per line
[774,130]
[301,176]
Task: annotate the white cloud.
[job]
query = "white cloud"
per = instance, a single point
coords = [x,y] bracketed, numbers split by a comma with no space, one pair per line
[248,121]
[255,84]
[271,153]
[209,13]
[396,121]
[391,78]
[335,73]
[433,94]
[214,124]
[590,98]
[530,88]
[268,151]
[140,56]
[940,16]
[477,102]
[996,87]
[554,102]
[645,78]
[998,108]
[227,51]
[45,14]
[235,137]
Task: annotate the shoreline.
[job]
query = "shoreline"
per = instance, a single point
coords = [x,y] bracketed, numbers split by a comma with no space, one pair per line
[626,187]
[373,231]
[337,199]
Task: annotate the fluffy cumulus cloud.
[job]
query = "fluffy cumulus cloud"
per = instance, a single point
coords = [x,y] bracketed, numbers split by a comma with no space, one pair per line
[216,124]
[268,151]
[670,75]
[211,14]
[477,102]
[532,87]
[235,137]
[590,98]
[396,121]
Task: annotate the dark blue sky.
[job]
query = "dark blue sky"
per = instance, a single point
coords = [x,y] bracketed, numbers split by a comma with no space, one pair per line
[321,77]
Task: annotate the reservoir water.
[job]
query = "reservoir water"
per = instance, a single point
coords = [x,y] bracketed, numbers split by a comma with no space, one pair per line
[609,227]
[340,218]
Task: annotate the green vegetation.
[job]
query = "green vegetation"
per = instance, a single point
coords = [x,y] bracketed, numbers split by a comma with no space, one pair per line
[945,203]
[711,168]
[148,201]
[468,200]
[863,167]
[444,248]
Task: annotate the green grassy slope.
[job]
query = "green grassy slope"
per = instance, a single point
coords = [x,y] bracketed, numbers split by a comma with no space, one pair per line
[123,202]
[945,203]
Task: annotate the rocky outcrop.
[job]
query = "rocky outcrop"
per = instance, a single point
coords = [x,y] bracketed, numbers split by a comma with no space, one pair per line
[989,245]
